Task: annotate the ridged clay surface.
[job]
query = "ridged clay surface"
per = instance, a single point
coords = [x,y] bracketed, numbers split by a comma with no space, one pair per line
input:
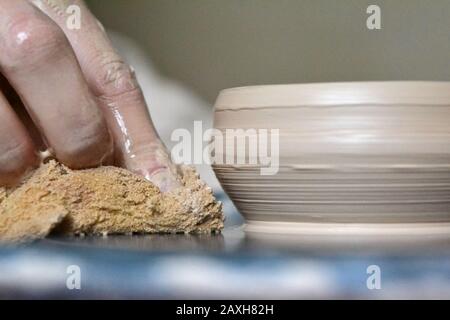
[350,153]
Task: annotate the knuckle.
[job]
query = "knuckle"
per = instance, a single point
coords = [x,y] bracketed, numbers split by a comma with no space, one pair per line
[30,39]
[114,77]
[90,147]
[15,158]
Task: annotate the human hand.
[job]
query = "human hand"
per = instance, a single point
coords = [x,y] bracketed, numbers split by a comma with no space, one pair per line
[84,101]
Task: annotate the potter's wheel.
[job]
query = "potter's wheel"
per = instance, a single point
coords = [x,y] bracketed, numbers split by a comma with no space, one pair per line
[235,264]
[230,266]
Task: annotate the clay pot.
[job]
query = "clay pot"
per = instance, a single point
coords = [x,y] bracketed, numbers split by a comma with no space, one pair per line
[370,154]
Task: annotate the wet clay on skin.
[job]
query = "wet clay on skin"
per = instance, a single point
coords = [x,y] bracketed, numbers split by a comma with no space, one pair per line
[105,200]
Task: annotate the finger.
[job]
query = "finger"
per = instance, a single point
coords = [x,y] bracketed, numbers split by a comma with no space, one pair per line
[22,114]
[114,83]
[39,63]
[17,153]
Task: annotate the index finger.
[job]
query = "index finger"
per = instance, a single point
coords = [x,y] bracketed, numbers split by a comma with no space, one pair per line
[138,146]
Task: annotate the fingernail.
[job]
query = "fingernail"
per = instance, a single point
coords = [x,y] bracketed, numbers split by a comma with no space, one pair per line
[164,179]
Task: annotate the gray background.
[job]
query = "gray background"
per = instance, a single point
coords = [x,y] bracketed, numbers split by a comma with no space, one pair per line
[214,44]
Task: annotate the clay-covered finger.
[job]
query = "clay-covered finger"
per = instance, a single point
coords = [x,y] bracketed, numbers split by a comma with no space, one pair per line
[114,83]
[17,153]
[40,64]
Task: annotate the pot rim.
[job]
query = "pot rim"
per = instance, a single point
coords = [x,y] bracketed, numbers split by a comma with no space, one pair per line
[421,93]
